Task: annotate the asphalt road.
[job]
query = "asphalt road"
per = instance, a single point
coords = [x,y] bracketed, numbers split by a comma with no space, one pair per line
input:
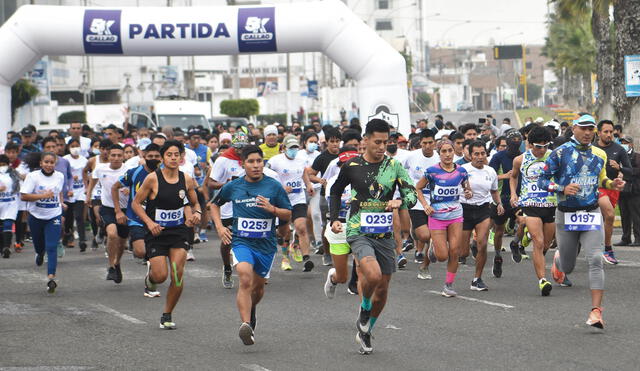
[90,323]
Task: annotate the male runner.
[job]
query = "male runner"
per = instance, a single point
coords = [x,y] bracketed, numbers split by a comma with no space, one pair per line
[578,169]
[171,209]
[101,160]
[257,200]
[373,178]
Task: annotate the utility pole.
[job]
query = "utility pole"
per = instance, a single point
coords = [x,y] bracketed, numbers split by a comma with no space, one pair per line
[524,74]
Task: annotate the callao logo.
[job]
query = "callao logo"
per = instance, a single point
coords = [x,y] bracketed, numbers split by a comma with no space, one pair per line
[257,29]
[101,31]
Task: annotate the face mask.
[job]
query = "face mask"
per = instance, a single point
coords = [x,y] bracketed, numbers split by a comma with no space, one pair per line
[75,151]
[312,147]
[292,152]
[485,138]
[513,146]
[96,151]
[392,148]
[625,146]
[152,164]
[3,169]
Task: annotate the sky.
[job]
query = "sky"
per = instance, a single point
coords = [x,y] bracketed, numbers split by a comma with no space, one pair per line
[519,21]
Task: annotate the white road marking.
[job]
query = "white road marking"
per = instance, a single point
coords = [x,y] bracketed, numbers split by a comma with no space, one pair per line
[46,368]
[254,367]
[501,305]
[22,275]
[105,309]
[196,272]
[392,327]
[628,263]
[17,309]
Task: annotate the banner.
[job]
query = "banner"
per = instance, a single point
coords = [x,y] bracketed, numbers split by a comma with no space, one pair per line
[266,88]
[312,89]
[632,75]
[40,78]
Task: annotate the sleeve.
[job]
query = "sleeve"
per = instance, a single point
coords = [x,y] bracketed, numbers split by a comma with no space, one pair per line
[223,196]
[494,183]
[625,162]
[551,167]
[29,185]
[282,199]
[95,173]
[126,178]
[406,188]
[317,163]
[495,162]
[219,172]
[208,154]
[335,193]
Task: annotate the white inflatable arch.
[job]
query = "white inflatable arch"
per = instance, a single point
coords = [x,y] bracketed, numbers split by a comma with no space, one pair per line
[325,26]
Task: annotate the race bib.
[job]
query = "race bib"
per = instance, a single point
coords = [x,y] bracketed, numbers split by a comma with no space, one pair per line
[443,193]
[48,203]
[97,193]
[376,223]
[344,210]
[534,191]
[7,197]
[169,218]
[254,228]
[582,221]
[77,184]
[296,186]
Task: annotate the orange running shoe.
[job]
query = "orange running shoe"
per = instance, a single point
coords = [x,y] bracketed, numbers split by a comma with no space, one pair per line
[555,272]
[18,247]
[595,318]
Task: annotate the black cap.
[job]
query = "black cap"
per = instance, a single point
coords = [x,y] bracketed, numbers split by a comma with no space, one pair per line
[26,132]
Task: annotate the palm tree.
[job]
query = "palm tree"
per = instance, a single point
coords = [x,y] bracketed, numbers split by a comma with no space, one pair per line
[626,14]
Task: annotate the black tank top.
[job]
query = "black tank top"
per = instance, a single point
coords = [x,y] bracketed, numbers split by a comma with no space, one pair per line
[167,209]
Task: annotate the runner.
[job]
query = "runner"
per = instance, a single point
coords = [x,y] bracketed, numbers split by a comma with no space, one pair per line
[373,178]
[538,205]
[483,182]
[9,192]
[98,161]
[444,210]
[578,169]
[42,189]
[171,209]
[75,203]
[117,231]
[292,176]
[257,200]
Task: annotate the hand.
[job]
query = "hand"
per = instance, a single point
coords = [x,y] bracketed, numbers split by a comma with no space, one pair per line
[336,227]
[618,183]
[429,210]
[468,194]
[75,177]
[193,220]
[2,188]
[508,173]
[614,164]
[310,190]
[69,193]
[393,204]
[154,228]
[571,189]
[225,235]
[500,209]
[264,204]
[121,218]
[47,194]
[323,181]
[288,189]
[514,201]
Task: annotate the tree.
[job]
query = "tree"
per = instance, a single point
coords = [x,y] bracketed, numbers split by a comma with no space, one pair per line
[240,107]
[626,14]
[22,92]
[534,92]
[423,99]
[72,116]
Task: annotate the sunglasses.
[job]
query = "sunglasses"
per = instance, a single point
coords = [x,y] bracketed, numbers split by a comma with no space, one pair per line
[541,145]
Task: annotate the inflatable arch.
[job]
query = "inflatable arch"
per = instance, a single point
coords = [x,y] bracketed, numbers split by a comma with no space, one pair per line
[325,26]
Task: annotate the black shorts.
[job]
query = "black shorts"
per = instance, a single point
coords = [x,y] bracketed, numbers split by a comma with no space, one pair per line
[175,238]
[418,218]
[509,212]
[96,202]
[137,233]
[228,222]
[298,211]
[474,214]
[108,215]
[546,214]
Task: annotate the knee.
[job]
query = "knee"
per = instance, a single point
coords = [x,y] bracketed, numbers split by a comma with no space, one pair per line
[245,281]
[158,277]
[442,255]
[422,235]
[538,242]
[374,278]
[595,260]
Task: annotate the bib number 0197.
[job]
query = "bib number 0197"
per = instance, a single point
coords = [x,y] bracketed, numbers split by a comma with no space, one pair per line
[582,221]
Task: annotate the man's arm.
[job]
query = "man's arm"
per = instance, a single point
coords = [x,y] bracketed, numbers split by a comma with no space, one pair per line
[115,190]
[335,194]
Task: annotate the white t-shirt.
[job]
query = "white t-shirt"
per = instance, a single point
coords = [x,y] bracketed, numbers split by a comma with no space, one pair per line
[133,162]
[85,146]
[23,170]
[190,156]
[77,167]
[482,182]
[290,175]
[401,156]
[223,171]
[37,182]
[96,194]
[416,164]
[107,177]
[8,199]
[308,159]
[332,170]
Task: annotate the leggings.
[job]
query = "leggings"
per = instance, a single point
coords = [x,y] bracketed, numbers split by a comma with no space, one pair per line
[592,243]
[75,210]
[21,227]
[7,232]
[45,235]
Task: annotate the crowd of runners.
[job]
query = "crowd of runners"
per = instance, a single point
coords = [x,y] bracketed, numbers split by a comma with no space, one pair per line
[368,192]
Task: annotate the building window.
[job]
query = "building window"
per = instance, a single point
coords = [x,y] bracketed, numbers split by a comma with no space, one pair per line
[529,65]
[383,4]
[384,25]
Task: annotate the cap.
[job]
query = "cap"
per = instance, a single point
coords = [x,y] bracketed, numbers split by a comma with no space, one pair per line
[585,120]
[225,136]
[143,143]
[402,139]
[290,141]
[554,124]
[26,132]
[539,120]
[512,134]
[270,129]
[194,131]
[627,138]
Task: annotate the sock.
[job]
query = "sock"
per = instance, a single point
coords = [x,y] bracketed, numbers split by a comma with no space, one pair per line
[450,278]
[608,248]
[285,251]
[498,252]
[366,303]
[227,268]
[166,316]
[542,280]
[305,257]
[475,279]
[372,321]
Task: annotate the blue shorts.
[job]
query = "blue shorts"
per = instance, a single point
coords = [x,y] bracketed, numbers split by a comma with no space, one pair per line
[137,232]
[261,262]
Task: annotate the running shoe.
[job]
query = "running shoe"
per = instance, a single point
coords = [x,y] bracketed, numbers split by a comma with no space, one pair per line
[407,245]
[246,334]
[39,259]
[196,238]
[203,237]
[166,322]
[526,238]
[60,250]
[478,285]
[151,294]
[474,249]
[515,252]
[254,321]
[94,244]
[364,339]
[432,255]
[296,253]
[423,273]
[363,323]
[610,257]
[190,257]
[330,287]
[566,282]
[448,291]
[326,260]
[523,253]
[99,238]
[418,257]
[18,246]
[6,253]
[308,265]
[51,286]
[112,275]
[595,318]
[352,288]
[497,266]
[462,260]
[150,287]
[545,287]
[83,246]
[555,272]
[285,265]
[402,261]
[118,274]
[227,280]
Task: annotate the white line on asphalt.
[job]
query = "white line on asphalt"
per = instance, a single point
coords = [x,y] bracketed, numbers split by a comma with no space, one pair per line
[628,263]
[115,313]
[46,368]
[392,327]
[22,275]
[254,367]
[505,306]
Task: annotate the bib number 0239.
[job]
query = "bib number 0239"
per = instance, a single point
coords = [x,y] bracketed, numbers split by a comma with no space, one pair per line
[376,222]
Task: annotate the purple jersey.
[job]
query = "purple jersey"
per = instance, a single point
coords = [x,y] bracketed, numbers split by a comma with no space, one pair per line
[445,190]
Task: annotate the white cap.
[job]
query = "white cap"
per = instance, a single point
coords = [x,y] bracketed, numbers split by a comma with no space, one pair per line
[270,129]
[442,133]
[554,124]
[224,136]
[539,120]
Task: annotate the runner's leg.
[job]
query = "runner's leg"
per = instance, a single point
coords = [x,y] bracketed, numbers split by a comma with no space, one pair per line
[177,260]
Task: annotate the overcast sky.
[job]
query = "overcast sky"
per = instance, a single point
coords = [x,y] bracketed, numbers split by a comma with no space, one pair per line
[520,21]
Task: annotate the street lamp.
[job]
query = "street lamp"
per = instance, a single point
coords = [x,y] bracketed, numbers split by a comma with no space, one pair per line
[510,36]
[444,34]
[481,32]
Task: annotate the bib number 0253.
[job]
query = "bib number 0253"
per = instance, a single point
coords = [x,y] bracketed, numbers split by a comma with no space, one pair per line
[582,221]
[376,223]
[254,228]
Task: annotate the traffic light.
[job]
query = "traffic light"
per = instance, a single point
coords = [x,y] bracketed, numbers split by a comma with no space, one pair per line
[523,79]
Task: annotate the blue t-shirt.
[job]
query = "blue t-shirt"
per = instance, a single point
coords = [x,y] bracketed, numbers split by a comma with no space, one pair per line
[502,163]
[253,226]
[201,152]
[133,179]
[445,188]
